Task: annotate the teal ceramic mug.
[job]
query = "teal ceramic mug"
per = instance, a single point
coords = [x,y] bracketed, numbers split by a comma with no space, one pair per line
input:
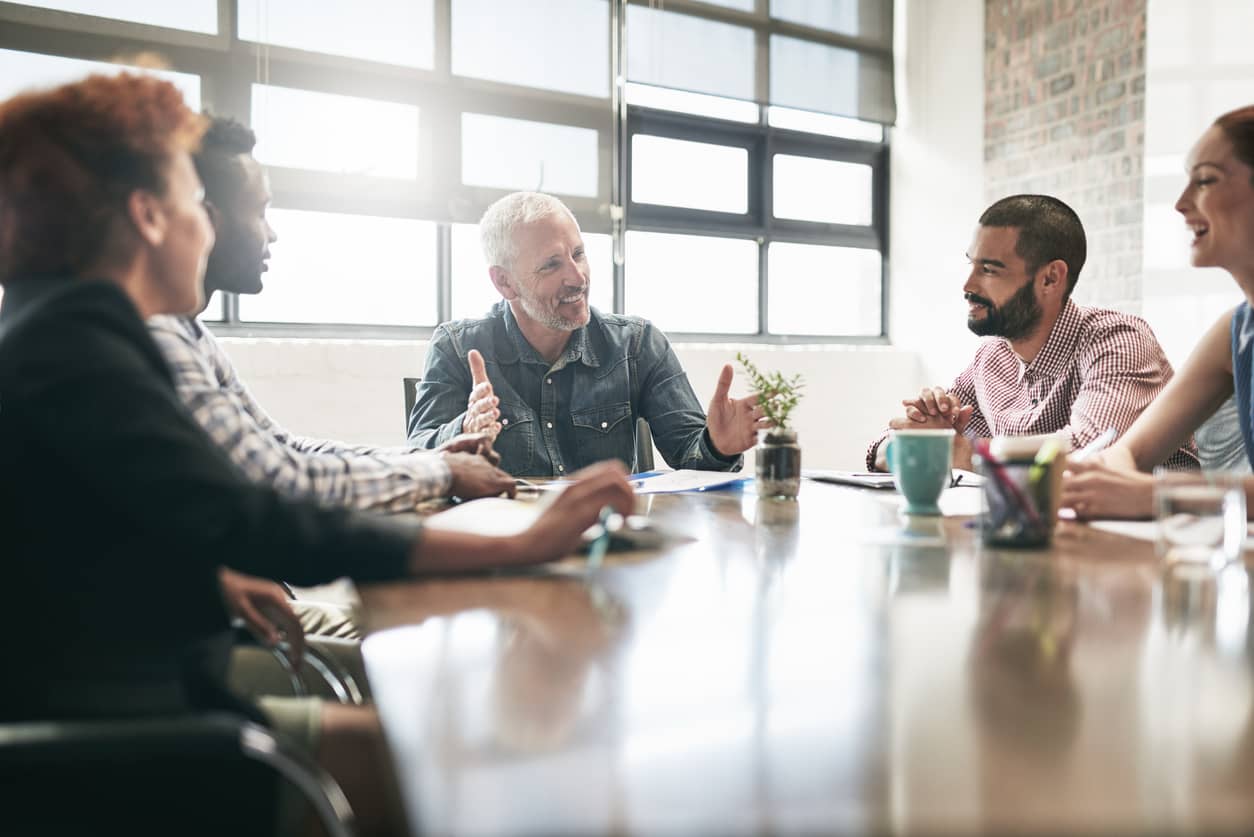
[920,462]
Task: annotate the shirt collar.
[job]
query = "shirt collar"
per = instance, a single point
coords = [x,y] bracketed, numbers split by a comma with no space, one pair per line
[1059,347]
[578,348]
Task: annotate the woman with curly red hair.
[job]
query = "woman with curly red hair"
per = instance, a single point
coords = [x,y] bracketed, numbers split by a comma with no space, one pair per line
[116,511]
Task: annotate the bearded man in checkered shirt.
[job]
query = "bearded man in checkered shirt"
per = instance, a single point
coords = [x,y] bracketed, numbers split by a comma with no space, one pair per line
[1048,364]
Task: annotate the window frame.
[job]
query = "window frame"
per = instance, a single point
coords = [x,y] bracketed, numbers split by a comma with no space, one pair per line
[229,66]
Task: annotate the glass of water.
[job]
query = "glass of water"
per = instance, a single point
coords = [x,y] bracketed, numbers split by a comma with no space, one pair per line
[1201,517]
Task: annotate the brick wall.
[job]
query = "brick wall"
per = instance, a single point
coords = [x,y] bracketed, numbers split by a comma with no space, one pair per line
[1064,114]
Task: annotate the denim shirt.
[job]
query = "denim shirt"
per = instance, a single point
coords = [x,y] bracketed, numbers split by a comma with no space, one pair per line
[559,417]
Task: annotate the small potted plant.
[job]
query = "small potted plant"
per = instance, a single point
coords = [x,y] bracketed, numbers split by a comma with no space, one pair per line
[778,456]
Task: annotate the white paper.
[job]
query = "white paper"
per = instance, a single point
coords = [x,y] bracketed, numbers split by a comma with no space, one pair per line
[669,482]
[492,516]
[1147,530]
[862,479]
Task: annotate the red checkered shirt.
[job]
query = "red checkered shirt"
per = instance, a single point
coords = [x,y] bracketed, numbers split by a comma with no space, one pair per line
[1098,369]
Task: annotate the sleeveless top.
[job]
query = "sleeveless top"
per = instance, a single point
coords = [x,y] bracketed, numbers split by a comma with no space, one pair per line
[1243,372]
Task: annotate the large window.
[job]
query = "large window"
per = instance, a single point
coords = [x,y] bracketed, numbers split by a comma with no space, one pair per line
[733,186]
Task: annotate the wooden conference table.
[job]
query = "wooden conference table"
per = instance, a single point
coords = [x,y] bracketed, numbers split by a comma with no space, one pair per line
[815,667]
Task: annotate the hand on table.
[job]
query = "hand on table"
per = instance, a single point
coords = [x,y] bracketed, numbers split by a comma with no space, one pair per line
[558,530]
[482,411]
[937,408]
[264,607]
[474,476]
[733,423]
[1093,489]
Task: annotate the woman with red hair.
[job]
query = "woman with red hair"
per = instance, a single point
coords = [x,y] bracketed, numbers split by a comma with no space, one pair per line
[1217,205]
[117,514]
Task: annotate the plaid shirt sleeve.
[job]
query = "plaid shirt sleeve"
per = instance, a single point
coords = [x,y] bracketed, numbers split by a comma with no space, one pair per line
[1123,370]
[327,473]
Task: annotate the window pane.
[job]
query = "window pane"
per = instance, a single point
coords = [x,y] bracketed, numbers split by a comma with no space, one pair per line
[860,18]
[376,30]
[824,123]
[693,283]
[717,107]
[474,293]
[329,268]
[26,70]
[506,153]
[322,131]
[689,53]
[813,76]
[813,189]
[190,15]
[742,5]
[823,290]
[552,44]
[696,175]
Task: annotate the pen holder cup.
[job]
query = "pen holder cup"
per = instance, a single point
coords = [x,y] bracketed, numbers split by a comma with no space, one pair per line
[1019,507]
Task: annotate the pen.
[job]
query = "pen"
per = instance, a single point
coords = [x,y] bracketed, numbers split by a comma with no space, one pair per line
[596,552]
[1095,446]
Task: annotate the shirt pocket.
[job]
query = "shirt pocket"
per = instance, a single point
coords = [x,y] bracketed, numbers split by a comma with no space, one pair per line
[605,432]
[516,443]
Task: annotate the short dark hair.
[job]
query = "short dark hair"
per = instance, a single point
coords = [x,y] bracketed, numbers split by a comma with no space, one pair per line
[1238,127]
[224,140]
[69,159]
[1048,230]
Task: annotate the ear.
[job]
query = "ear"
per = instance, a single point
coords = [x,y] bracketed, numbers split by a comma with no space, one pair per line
[500,278]
[1054,277]
[147,215]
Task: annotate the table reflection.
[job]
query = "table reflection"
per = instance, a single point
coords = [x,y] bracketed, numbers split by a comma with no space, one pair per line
[824,665]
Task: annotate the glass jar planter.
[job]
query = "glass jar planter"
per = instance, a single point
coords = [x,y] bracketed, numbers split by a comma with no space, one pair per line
[778,464]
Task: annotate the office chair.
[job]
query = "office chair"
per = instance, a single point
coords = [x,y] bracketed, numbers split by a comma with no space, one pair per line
[411,396]
[333,682]
[644,447]
[211,773]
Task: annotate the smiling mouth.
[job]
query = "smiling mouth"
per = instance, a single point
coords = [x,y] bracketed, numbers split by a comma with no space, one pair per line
[1199,231]
[569,300]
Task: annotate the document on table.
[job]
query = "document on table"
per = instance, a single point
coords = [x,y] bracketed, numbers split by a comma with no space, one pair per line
[1147,530]
[671,482]
[862,479]
[879,479]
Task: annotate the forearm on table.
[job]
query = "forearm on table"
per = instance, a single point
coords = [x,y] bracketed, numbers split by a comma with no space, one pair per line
[439,552]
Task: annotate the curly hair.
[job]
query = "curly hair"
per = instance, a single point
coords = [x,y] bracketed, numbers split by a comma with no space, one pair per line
[223,143]
[69,159]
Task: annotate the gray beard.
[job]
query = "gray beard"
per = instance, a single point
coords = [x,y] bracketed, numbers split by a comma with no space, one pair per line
[548,319]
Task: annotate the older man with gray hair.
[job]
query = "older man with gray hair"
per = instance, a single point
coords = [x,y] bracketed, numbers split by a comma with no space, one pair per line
[559,383]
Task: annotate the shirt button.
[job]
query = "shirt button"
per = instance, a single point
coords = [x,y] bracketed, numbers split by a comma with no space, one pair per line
[604,424]
[548,380]
[561,467]
[549,425]
[504,422]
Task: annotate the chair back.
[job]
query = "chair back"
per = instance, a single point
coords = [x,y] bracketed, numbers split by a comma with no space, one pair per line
[411,397]
[644,446]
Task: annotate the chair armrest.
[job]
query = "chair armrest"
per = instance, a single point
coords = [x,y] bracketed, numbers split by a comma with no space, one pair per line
[57,763]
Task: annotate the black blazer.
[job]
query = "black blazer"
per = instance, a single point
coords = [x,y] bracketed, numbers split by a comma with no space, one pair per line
[116,510]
